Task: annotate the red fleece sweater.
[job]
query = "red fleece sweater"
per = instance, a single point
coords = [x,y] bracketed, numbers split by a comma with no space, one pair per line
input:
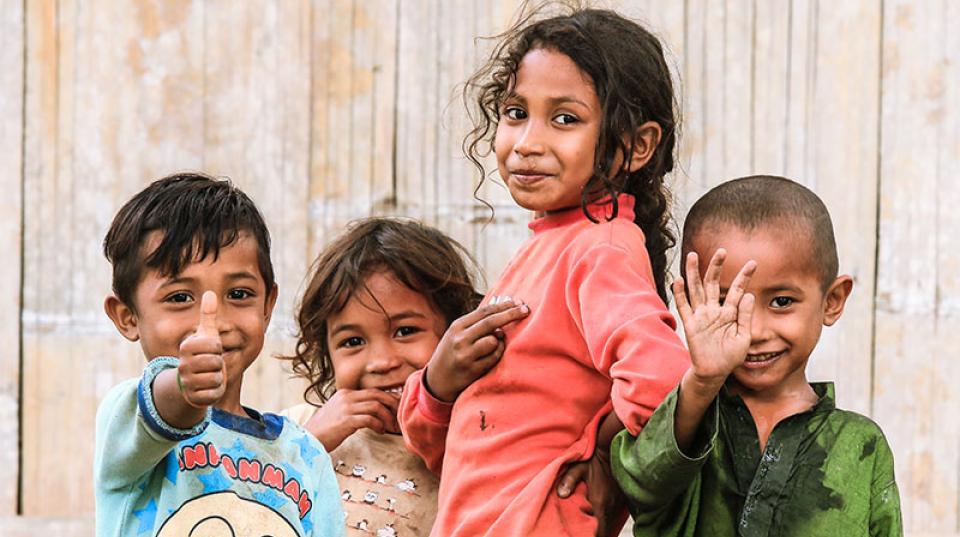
[597,334]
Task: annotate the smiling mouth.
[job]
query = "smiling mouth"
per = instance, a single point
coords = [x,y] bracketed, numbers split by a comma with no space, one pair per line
[396,390]
[762,359]
[528,176]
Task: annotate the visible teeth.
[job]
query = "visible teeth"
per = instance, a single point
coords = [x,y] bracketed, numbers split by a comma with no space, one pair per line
[398,390]
[762,357]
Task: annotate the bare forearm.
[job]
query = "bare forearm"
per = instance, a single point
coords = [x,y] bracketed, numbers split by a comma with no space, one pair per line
[173,408]
[694,399]
[609,427]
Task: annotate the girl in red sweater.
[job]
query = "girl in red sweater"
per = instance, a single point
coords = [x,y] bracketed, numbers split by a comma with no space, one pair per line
[579,110]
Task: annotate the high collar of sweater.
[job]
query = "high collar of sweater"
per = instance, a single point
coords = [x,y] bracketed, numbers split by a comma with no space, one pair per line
[601,211]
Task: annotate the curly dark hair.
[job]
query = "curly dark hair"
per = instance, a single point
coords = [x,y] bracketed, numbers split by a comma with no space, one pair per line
[626,64]
[420,257]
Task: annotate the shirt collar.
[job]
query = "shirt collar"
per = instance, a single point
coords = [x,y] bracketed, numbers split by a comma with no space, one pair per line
[601,210]
[825,397]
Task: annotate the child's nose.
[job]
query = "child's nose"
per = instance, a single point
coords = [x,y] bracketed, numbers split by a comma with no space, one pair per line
[530,141]
[384,359]
[759,327]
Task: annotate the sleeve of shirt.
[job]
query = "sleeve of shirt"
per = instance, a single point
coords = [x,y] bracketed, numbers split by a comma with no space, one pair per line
[424,421]
[299,414]
[131,437]
[885,517]
[628,331]
[661,482]
[329,519]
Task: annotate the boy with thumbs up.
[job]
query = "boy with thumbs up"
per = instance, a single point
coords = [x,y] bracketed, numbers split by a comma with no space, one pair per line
[194,285]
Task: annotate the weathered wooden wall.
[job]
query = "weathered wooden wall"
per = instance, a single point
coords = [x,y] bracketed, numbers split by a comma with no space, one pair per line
[329,110]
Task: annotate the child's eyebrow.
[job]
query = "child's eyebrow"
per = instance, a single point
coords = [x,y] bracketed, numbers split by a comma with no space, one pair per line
[242,275]
[783,287]
[336,329]
[393,319]
[186,280]
[178,280]
[564,99]
[408,314]
[554,101]
[513,96]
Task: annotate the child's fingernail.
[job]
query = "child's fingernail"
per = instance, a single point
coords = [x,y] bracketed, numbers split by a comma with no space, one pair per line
[525,308]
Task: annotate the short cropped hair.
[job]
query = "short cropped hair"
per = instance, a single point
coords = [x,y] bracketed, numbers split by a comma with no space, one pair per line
[197,215]
[421,257]
[759,201]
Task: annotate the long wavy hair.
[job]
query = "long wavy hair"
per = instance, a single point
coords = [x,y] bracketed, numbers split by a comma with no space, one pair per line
[626,64]
[420,257]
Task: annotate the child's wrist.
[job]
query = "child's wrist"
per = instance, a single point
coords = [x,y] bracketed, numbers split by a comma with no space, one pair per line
[706,387]
[429,386]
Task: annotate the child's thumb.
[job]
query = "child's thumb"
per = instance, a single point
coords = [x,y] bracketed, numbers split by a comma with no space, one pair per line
[208,315]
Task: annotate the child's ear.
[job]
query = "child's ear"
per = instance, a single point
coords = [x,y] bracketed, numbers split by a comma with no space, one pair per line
[269,304]
[836,299]
[123,317]
[644,145]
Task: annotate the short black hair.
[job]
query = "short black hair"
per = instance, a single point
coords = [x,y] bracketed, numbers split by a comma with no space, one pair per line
[198,215]
[759,201]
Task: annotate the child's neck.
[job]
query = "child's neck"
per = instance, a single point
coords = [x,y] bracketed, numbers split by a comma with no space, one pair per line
[770,407]
[231,403]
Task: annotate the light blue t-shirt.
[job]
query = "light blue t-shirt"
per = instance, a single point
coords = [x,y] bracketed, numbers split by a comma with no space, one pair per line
[230,475]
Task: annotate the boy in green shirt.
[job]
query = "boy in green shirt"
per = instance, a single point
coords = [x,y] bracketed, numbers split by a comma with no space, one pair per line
[745,445]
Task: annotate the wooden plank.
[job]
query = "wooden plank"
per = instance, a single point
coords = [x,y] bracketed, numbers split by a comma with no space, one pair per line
[11,212]
[353,84]
[918,313]
[771,97]
[257,87]
[494,241]
[111,101]
[843,143]
[718,93]
[418,109]
[715,142]
[801,82]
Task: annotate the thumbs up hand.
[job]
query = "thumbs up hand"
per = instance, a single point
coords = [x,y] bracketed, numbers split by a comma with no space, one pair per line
[202,372]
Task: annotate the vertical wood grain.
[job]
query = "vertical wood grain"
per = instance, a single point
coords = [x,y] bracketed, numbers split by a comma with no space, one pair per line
[353,91]
[842,142]
[329,110]
[256,89]
[916,395]
[11,229]
[112,100]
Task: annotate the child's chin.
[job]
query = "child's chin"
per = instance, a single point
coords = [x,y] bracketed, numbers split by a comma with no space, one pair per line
[754,379]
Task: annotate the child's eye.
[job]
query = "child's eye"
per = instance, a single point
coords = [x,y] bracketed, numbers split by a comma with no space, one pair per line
[515,113]
[179,298]
[566,119]
[406,331]
[781,302]
[349,342]
[239,294]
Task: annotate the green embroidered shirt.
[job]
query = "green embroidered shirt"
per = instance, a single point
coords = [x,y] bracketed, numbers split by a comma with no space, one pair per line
[824,472]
